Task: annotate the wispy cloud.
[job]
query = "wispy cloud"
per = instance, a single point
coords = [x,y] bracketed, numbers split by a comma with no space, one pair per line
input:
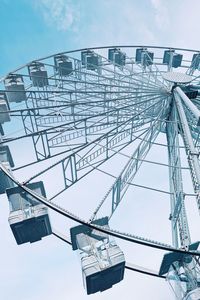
[111,23]
[63,14]
[186,24]
[161,14]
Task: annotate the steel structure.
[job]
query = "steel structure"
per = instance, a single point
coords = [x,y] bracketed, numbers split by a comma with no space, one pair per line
[75,112]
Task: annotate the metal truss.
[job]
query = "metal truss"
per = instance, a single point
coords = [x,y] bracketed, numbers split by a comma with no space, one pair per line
[122,182]
[178,214]
[191,150]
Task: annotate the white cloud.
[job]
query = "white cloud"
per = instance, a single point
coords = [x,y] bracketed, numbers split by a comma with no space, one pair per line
[113,23]
[186,24]
[63,14]
[161,14]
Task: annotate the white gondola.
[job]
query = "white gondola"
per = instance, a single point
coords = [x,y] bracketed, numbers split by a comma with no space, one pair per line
[90,60]
[28,219]
[178,267]
[5,181]
[7,161]
[63,65]
[170,57]
[15,90]
[195,63]
[4,115]
[144,57]
[38,74]
[117,56]
[102,261]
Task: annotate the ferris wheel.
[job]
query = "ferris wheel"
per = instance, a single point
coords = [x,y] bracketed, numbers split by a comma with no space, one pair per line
[69,116]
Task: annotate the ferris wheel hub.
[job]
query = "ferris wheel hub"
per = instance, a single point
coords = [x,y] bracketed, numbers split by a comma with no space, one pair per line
[176,77]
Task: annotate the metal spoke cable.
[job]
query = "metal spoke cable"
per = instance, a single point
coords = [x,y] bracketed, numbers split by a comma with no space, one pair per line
[144,160]
[60,153]
[103,106]
[135,94]
[159,144]
[129,183]
[87,144]
[155,76]
[110,115]
[69,123]
[132,105]
[60,160]
[120,77]
[75,91]
[137,81]
[101,137]
[119,176]
[131,71]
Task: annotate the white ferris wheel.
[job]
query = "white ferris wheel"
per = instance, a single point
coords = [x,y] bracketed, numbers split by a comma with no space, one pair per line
[124,120]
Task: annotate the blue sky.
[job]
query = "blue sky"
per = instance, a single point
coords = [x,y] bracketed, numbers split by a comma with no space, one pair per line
[35,28]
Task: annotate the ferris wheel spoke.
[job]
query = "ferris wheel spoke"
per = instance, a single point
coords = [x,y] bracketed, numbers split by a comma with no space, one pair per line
[107,98]
[130,123]
[34,115]
[77,165]
[45,98]
[93,98]
[69,83]
[135,128]
[67,126]
[44,142]
[120,186]
[126,68]
[134,107]
[107,75]
[119,71]
[88,85]
[85,76]
[59,127]
[107,103]
[111,140]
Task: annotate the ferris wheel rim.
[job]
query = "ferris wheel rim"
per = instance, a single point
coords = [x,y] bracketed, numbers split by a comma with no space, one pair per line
[96,48]
[114,233]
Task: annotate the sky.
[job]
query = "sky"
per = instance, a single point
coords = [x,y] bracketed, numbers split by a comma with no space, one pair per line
[32,29]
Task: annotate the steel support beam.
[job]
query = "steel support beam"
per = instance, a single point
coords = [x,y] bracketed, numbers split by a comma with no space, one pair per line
[191,151]
[178,214]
